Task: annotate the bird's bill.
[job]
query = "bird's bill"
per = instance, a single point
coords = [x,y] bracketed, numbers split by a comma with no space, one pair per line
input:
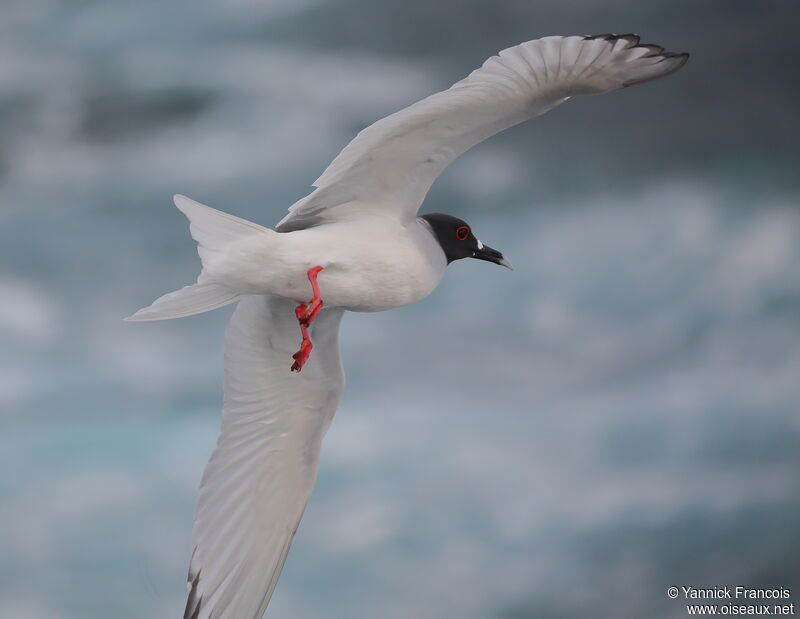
[491,255]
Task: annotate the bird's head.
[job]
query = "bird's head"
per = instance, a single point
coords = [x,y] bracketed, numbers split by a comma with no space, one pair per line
[457,241]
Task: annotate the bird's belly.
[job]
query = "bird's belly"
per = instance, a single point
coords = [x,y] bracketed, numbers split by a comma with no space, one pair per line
[379,287]
[363,282]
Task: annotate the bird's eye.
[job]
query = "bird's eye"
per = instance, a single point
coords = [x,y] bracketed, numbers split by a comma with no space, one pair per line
[462,233]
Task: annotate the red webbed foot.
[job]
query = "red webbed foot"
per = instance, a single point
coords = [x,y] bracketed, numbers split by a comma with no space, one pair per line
[302,355]
[305,316]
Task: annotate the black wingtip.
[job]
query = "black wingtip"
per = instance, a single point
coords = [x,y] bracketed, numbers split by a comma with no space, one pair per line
[679,60]
[195,600]
[682,58]
[633,40]
[591,37]
[655,50]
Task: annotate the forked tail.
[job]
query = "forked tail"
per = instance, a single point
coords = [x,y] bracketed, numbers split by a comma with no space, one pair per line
[214,231]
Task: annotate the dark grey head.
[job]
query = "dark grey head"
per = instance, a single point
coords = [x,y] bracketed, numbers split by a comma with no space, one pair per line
[457,241]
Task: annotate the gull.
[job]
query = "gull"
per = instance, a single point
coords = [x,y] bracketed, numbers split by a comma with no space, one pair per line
[356,244]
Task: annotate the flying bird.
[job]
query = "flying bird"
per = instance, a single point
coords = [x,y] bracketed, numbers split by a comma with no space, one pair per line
[357,244]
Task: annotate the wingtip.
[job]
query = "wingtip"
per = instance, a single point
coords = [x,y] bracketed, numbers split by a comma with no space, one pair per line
[677,60]
[180,201]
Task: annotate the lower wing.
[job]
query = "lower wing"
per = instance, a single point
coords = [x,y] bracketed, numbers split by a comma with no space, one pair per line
[257,482]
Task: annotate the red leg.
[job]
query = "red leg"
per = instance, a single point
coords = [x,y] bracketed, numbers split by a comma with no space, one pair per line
[305,316]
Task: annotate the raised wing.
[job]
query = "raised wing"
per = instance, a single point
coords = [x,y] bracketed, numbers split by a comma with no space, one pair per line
[392,163]
[261,473]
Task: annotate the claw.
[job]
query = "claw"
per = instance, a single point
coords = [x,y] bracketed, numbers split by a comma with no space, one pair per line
[302,355]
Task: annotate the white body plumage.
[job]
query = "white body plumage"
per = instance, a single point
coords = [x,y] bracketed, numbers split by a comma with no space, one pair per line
[373,264]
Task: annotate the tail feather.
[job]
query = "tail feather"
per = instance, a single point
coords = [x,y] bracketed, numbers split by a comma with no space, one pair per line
[187,301]
[214,232]
[212,229]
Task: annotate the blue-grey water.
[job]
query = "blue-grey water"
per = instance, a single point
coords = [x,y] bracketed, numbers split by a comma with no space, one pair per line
[618,415]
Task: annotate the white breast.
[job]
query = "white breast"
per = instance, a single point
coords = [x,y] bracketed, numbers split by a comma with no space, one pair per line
[370,265]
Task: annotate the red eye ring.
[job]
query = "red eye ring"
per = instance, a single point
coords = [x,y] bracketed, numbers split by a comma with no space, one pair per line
[462,233]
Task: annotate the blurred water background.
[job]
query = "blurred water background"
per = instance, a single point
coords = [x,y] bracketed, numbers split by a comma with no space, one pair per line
[618,415]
